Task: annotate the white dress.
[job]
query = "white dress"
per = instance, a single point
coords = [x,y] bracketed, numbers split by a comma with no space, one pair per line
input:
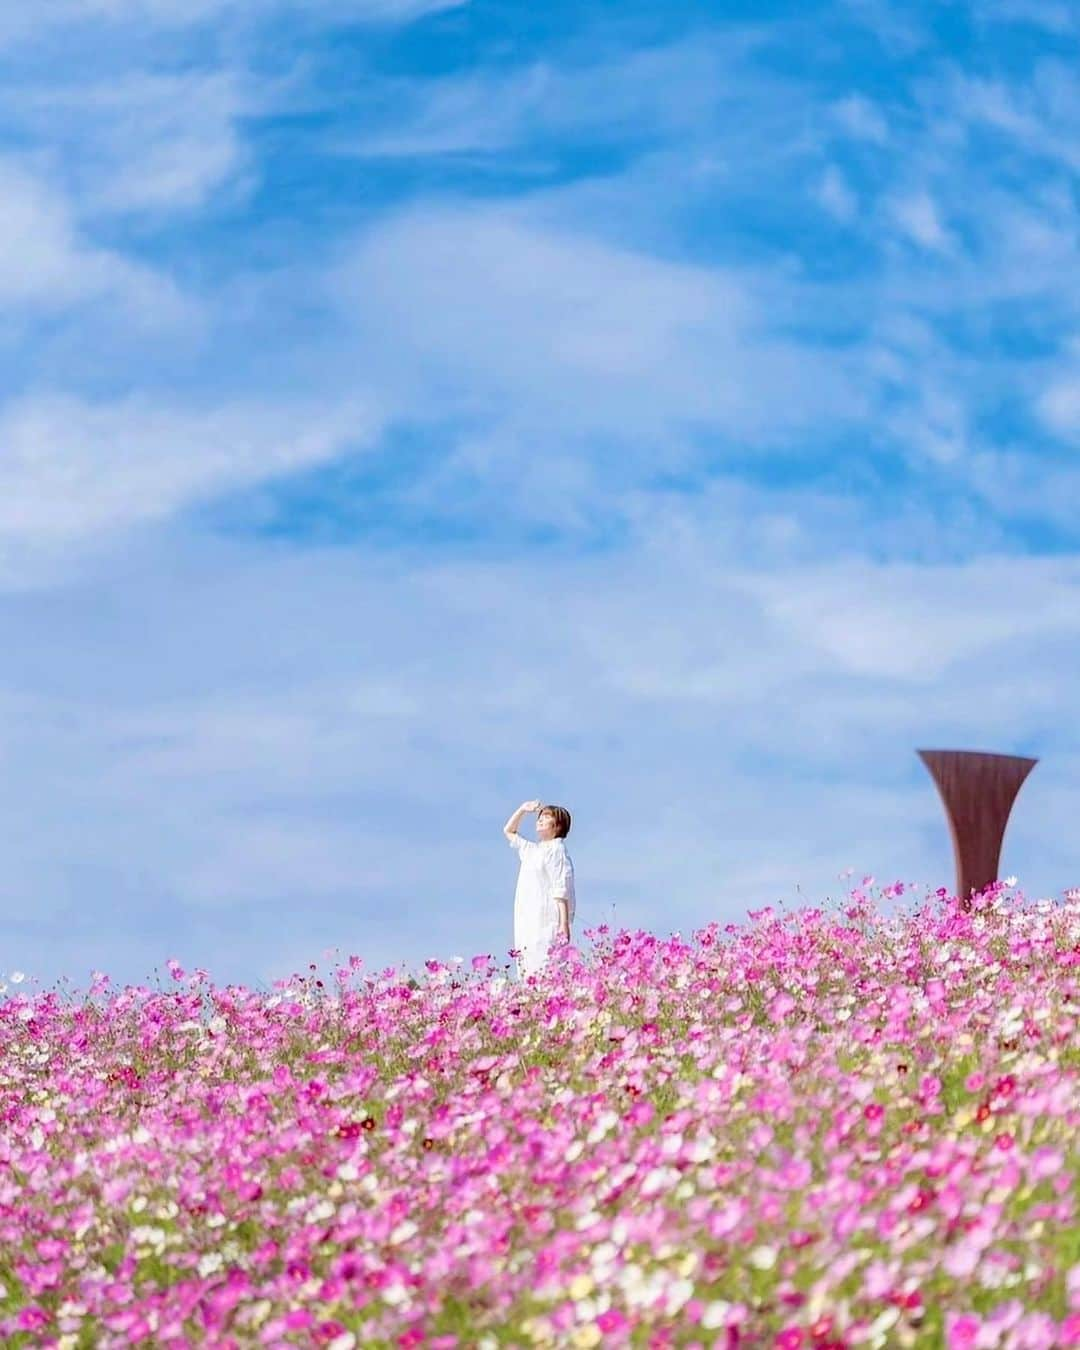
[546,874]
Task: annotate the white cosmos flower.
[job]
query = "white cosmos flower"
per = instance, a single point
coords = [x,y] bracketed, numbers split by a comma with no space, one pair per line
[404,1232]
[882,1323]
[679,1294]
[716,1315]
[210,1264]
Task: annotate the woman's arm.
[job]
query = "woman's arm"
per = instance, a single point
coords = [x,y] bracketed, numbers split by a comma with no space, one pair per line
[511,826]
[564,917]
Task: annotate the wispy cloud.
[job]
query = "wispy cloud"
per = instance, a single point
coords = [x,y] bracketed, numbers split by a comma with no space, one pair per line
[1055,16]
[653,94]
[836,196]
[560,331]
[50,264]
[1059,404]
[72,470]
[861,117]
[15,25]
[1041,115]
[143,142]
[919,218]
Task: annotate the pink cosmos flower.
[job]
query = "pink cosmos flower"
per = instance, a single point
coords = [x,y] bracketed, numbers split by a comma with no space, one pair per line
[961,1332]
[611,1321]
[1069,1330]
[780,1006]
[1045,1162]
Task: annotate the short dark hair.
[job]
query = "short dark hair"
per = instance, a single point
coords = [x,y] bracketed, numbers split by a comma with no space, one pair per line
[561,817]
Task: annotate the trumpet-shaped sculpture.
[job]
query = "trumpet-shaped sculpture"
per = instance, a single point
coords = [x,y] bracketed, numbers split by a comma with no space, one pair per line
[978,791]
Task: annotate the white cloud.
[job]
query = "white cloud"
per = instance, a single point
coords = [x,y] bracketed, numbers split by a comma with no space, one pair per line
[1059,407]
[145,141]
[680,89]
[48,263]
[1055,16]
[1041,115]
[16,25]
[861,118]
[900,29]
[933,424]
[919,217]
[71,470]
[1020,485]
[836,196]
[559,332]
[914,623]
[995,103]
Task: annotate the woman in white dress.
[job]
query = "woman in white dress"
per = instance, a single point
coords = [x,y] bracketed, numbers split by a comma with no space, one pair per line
[544,901]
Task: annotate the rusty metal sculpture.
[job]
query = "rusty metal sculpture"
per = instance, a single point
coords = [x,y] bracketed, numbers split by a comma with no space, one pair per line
[978,791]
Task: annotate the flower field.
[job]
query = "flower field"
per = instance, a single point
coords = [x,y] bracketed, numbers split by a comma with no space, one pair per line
[822,1128]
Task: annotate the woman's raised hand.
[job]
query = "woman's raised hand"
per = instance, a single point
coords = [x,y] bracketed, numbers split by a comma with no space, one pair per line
[530,806]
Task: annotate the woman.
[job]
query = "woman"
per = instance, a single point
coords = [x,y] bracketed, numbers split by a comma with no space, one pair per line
[544,901]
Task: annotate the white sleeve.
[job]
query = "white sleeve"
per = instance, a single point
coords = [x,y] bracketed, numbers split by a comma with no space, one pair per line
[561,871]
[520,844]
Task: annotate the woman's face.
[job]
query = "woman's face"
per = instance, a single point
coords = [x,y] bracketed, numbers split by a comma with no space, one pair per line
[545,826]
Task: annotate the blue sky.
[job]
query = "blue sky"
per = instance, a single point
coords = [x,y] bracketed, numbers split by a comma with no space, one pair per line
[408,408]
